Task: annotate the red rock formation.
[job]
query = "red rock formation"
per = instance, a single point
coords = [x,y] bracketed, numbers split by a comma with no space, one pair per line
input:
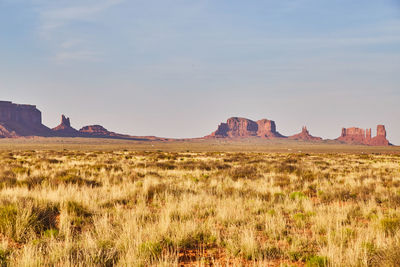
[21,120]
[240,127]
[305,136]
[26,120]
[353,135]
[380,138]
[95,130]
[267,129]
[5,133]
[98,131]
[65,129]
[236,127]
[360,136]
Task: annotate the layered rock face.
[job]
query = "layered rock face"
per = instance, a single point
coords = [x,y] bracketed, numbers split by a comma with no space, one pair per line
[98,131]
[380,138]
[236,127]
[267,129]
[241,127]
[305,136]
[26,120]
[356,135]
[65,129]
[21,120]
[26,114]
[95,130]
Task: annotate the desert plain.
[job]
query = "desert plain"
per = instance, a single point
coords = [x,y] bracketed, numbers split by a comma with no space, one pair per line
[101,202]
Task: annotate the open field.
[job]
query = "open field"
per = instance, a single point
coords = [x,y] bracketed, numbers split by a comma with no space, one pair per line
[111,203]
[193,145]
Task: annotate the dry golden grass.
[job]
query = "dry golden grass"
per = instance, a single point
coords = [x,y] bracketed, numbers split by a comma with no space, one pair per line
[127,208]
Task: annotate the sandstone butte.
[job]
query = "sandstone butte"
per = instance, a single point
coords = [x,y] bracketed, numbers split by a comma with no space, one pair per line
[355,135]
[236,128]
[26,120]
[21,120]
[18,120]
[305,135]
[65,129]
[240,127]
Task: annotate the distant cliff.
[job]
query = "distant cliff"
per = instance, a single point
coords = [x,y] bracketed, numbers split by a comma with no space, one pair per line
[356,135]
[21,120]
[305,136]
[26,120]
[236,127]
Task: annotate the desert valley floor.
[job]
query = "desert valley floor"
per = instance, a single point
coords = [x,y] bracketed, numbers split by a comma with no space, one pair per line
[101,202]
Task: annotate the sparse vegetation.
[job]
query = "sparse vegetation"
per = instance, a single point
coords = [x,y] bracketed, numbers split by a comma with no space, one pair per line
[126,208]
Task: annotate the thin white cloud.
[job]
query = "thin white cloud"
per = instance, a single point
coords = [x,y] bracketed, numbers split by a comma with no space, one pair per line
[76,56]
[53,17]
[56,26]
[67,44]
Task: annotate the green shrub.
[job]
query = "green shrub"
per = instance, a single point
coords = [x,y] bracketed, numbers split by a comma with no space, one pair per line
[21,221]
[32,182]
[81,216]
[317,261]
[54,161]
[51,233]
[281,181]
[44,217]
[390,225]
[197,238]
[20,170]
[4,254]
[7,179]
[106,254]
[272,252]
[279,197]
[246,172]
[77,209]
[8,218]
[150,251]
[297,196]
[75,180]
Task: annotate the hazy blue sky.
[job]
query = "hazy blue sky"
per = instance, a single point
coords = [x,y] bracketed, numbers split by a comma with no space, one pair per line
[177,68]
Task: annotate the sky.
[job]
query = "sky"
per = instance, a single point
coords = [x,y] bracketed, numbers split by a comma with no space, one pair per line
[178,68]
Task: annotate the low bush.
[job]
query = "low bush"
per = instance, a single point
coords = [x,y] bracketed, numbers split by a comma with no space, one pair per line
[27,220]
[246,172]
[317,261]
[390,225]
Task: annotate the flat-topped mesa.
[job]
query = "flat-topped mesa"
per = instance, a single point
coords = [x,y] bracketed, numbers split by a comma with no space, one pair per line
[236,127]
[26,120]
[305,136]
[356,135]
[267,129]
[17,113]
[65,129]
[95,130]
[21,120]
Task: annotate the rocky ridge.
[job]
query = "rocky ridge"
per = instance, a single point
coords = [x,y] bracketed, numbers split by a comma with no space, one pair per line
[305,136]
[65,129]
[356,135]
[236,127]
[26,120]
